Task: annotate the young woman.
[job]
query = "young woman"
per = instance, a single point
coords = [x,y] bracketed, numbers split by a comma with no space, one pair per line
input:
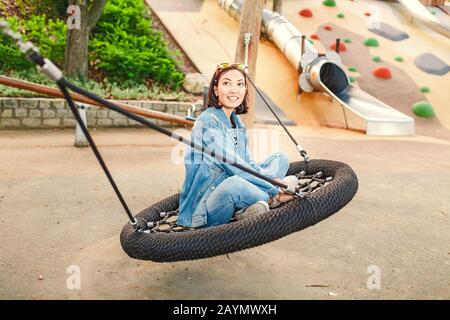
[213,190]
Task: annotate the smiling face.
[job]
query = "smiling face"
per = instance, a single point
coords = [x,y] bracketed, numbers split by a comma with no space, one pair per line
[230,89]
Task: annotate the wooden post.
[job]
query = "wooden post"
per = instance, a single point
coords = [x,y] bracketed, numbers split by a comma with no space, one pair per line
[433,3]
[277,6]
[250,22]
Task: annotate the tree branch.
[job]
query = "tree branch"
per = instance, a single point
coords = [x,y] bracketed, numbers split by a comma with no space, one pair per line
[95,12]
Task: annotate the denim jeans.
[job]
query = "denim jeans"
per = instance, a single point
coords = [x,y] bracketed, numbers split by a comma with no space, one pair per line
[236,193]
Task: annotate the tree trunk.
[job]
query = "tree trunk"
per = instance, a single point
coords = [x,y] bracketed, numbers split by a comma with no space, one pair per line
[250,22]
[76,62]
[277,5]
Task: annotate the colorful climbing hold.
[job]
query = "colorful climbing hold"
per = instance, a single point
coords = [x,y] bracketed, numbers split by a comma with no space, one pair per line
[342,46]
[315,37]
[371,42]
[376,59]
[425,90]
[329,3]
[348,40]
[423,109]
[328,28]
[310,41]
[399,59]
[341,16]
[352,69]
[306,13]
[367,14]
[352,79]
[382,72]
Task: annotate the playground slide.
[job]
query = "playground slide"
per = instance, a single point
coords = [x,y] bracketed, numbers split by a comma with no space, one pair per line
[380,118]
[419,12]
[323,73]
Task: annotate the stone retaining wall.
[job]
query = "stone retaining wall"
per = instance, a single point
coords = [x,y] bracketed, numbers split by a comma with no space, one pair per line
[40,113]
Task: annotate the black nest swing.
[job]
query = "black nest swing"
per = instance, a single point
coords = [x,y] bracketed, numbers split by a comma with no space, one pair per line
[141,242]
[291,217]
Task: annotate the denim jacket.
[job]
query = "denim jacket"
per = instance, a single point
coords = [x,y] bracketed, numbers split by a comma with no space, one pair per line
[204,173]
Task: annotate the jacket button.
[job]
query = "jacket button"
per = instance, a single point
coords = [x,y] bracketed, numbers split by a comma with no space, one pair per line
[212,188]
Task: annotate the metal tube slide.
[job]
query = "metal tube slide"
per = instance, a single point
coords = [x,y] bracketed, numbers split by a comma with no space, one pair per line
[323,73]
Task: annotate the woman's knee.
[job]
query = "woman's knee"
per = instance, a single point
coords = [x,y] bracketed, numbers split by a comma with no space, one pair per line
[283,158]
[239,189]
[282,163]
[234,183]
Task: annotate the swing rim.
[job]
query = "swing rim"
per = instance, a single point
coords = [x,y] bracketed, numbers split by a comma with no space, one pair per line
[254,231]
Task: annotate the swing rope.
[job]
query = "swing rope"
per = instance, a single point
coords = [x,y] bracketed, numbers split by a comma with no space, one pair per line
[247,40]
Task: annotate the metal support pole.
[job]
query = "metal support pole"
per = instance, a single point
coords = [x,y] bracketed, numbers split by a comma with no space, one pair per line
[80,138]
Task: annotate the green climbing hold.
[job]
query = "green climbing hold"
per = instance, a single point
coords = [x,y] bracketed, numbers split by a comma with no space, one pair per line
[329,3]
[371,42]
[399,59]
[423,109]
[352,79]
[340,16]
[376,59]
[352,69]
[348,40]
[425,90]
[310,41]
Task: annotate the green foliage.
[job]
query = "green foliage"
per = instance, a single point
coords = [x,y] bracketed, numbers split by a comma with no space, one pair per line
[25,8]
[125,47]
[51,8]
[106,89]
[12,58]
[47,34]
[125,51]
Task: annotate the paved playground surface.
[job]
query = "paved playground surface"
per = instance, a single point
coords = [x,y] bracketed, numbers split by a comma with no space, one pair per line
[57,210]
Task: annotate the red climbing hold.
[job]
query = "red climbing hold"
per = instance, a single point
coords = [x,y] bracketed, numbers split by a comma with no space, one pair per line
[328,28]
[382,72]
[367,14]
[315,37]
[307,13]
[342,46]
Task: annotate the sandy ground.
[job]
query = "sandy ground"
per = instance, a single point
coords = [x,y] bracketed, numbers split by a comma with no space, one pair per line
[58,210]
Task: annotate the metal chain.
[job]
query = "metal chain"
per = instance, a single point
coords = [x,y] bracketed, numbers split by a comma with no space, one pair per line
[26,48]
[247,39]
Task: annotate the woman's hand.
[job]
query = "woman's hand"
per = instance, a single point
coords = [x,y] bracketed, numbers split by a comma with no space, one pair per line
[282,196]
[282,191]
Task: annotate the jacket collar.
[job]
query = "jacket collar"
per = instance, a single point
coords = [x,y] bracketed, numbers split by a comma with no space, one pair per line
[224,119]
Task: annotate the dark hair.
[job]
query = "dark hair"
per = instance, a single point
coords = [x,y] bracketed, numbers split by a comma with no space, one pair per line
[213,100]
